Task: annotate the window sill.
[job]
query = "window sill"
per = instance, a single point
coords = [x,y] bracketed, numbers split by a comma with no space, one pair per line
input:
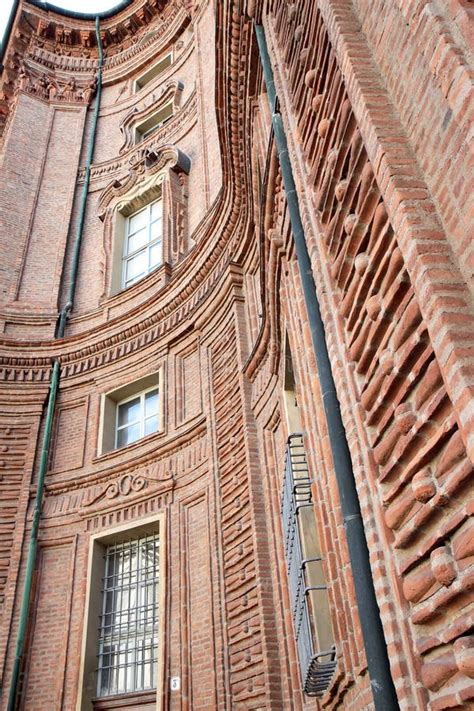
[160,274]
[125,701]
[129,448]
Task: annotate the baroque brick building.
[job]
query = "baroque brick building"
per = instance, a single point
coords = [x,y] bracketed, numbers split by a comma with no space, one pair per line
[237,422]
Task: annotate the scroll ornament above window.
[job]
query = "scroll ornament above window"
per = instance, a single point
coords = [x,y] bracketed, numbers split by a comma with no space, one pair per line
[156,110]
[158,174]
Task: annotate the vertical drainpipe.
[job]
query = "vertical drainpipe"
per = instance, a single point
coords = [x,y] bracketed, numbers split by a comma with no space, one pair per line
[53,391]
[85,189]
[383,690]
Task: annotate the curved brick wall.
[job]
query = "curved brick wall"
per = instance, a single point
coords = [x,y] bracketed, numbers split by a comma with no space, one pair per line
[377,107]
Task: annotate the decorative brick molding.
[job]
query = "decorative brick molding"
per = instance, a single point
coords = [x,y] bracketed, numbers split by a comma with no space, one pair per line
[224,318]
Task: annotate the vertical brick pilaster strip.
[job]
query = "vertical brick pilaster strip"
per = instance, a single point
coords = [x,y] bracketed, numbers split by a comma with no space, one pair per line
[246,671]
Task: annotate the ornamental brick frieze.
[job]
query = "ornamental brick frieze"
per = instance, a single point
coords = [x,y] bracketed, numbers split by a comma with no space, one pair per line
[50,87]
[157,39]
[127,512]
[241,599]
[102,352]
[263,363]
[128,485]
[144,45]
[14,446]
[273,249]
[71,36]
[20,39]
[13,370]
[132,340]
[62,62]
[421,467]
[181,461]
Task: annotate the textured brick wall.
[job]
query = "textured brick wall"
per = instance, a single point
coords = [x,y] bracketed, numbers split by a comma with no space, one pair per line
[375,97]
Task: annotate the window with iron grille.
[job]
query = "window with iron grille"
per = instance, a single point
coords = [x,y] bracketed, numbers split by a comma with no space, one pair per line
[129,619]
[308,590]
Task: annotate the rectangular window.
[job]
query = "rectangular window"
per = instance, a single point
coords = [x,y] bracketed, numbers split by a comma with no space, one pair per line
[122,657]
[153,72]
[129,621]
[143,243]
[131,412]
[153,122]
[308,589]
[137,417]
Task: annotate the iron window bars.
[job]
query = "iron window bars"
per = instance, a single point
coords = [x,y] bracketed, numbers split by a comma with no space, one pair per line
[129,623]
[316,668]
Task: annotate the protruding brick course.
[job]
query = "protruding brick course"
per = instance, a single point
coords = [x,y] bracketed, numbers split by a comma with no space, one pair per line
[376,100]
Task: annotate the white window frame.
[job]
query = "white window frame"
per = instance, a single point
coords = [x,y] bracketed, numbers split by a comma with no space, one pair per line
[153,72]
[141,421]
[107,431]
[126,256]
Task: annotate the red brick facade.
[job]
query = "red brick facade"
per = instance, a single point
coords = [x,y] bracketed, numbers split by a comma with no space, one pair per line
[377,102]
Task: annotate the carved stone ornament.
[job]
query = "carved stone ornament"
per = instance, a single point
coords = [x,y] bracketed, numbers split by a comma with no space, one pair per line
[169,93]
[147,168]
[48,87]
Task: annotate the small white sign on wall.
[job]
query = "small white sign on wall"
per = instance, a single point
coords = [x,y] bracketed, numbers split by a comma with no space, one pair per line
[175,683]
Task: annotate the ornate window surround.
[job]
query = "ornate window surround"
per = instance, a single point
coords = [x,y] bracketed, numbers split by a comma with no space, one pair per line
[169,94]
[160,173]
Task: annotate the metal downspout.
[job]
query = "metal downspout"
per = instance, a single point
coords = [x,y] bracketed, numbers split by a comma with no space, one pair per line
[383,690]
[85,189]
[53,391]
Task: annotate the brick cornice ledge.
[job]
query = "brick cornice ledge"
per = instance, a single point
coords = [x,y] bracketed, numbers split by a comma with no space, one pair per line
[443,296]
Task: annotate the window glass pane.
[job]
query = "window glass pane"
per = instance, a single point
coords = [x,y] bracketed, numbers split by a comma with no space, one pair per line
[151,403]
[129,412]
[155,230]
[155,255]
[137,221]
[127,435]
[151,424]
[139,239]
[137,266]
[156,209]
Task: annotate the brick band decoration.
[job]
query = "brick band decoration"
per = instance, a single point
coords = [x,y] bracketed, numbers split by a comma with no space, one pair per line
[377,105]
